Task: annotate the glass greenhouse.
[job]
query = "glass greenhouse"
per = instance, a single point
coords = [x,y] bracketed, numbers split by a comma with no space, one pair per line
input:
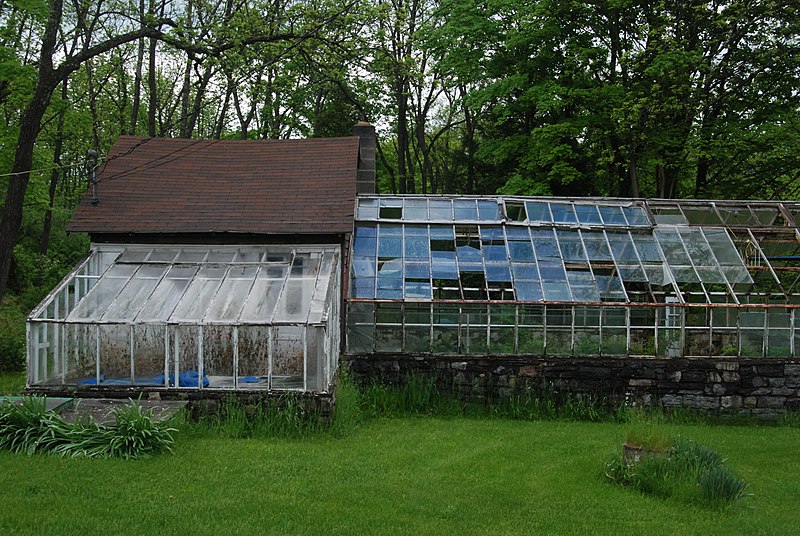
[574,277]
[199,317]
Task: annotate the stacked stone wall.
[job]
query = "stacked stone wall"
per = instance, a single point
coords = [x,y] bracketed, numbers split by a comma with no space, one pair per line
[765,388]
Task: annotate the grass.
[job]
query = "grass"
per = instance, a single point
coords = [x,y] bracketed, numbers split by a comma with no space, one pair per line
[395,476]
[12,383]
[412,473]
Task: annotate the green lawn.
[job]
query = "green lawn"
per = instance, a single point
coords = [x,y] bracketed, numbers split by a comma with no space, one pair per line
[397,476]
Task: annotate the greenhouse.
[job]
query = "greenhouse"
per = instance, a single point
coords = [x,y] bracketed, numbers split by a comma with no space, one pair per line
[444,275]
[193,317]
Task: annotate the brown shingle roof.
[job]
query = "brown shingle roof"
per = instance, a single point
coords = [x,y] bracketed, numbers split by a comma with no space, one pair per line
[161,185]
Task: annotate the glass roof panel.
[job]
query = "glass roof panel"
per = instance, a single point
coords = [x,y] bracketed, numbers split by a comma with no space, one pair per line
[264,294]
[130,300]
[167,294]
[232,294]
[563,213]
[103,293]
[134,255]
[488,210]
[201,291]
[612,215]
[538,211]
[441,209]
[465,210]
[588,214]
[591,245]
[636,216]
[668,214]
[415,209]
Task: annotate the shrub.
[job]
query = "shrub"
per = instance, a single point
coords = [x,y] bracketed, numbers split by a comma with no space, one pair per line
[28,427]
[687,471]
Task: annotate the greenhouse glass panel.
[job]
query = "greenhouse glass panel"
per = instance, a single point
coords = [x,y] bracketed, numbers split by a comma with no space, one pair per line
[465,210]
[132,298]
[191,318]
[588,214]
[416,209]
[441,210]
[612,215]
[167,294]
[538,212]
[103,293]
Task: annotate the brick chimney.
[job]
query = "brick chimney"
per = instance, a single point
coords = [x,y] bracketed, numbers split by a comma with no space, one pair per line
[365,182]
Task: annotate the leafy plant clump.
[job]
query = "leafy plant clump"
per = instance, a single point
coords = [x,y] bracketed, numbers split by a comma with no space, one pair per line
[287,416]
[31,429]
[688,471]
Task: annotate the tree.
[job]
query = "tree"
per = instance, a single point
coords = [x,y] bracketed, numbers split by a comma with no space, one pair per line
[116,31]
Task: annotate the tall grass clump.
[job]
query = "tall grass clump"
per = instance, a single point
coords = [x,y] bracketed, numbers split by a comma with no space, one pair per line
[417,396]
[30,428]
[687,471]
[286,416]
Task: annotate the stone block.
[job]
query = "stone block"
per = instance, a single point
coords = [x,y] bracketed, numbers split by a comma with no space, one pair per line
[671,401]
[529,371]
[758,381]
[792,370]
[770,370]
[694,376]
[750,401]
[674,376]
[771,402]
[458,365]
[710,403]
[783,391]
[776,382]
[714,377]
[728,402]
[641,382]
[715,389]
[728,365]
[730,377]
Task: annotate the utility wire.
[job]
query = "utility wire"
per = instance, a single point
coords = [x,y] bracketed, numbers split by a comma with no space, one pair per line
[51,168]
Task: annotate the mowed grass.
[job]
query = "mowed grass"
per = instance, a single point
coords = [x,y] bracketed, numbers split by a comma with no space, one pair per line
[421,476]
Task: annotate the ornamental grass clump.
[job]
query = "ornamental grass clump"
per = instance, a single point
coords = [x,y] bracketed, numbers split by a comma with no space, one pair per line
[686,471]
[29,428]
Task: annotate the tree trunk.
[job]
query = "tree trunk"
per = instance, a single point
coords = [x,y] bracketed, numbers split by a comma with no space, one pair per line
[30,123]
[137,81]
[152,88]
[44,239]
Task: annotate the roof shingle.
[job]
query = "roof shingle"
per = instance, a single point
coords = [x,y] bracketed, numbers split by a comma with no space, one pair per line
[163,185]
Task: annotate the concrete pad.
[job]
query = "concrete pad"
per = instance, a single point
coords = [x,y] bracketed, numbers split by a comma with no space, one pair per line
[52,403]
[101,410]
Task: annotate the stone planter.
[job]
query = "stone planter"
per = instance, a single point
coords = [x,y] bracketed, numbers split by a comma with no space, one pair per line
[634,453]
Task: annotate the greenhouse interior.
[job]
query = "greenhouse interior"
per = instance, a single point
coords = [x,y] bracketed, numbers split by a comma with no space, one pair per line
[573,277]
[193,317]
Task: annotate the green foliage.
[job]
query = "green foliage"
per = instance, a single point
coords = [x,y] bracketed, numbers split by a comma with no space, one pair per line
[29,428]
[12,383]
[688,472]
[12,336]
[286,416]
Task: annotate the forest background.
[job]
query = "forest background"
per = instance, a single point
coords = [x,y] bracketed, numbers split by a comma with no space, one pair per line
[671,98]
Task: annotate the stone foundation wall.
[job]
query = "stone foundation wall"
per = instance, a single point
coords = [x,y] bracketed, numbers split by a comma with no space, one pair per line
[200,401]
[761,387]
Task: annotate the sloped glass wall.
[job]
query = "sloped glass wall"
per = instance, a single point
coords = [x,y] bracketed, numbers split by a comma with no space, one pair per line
[496,275]
[250,317]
